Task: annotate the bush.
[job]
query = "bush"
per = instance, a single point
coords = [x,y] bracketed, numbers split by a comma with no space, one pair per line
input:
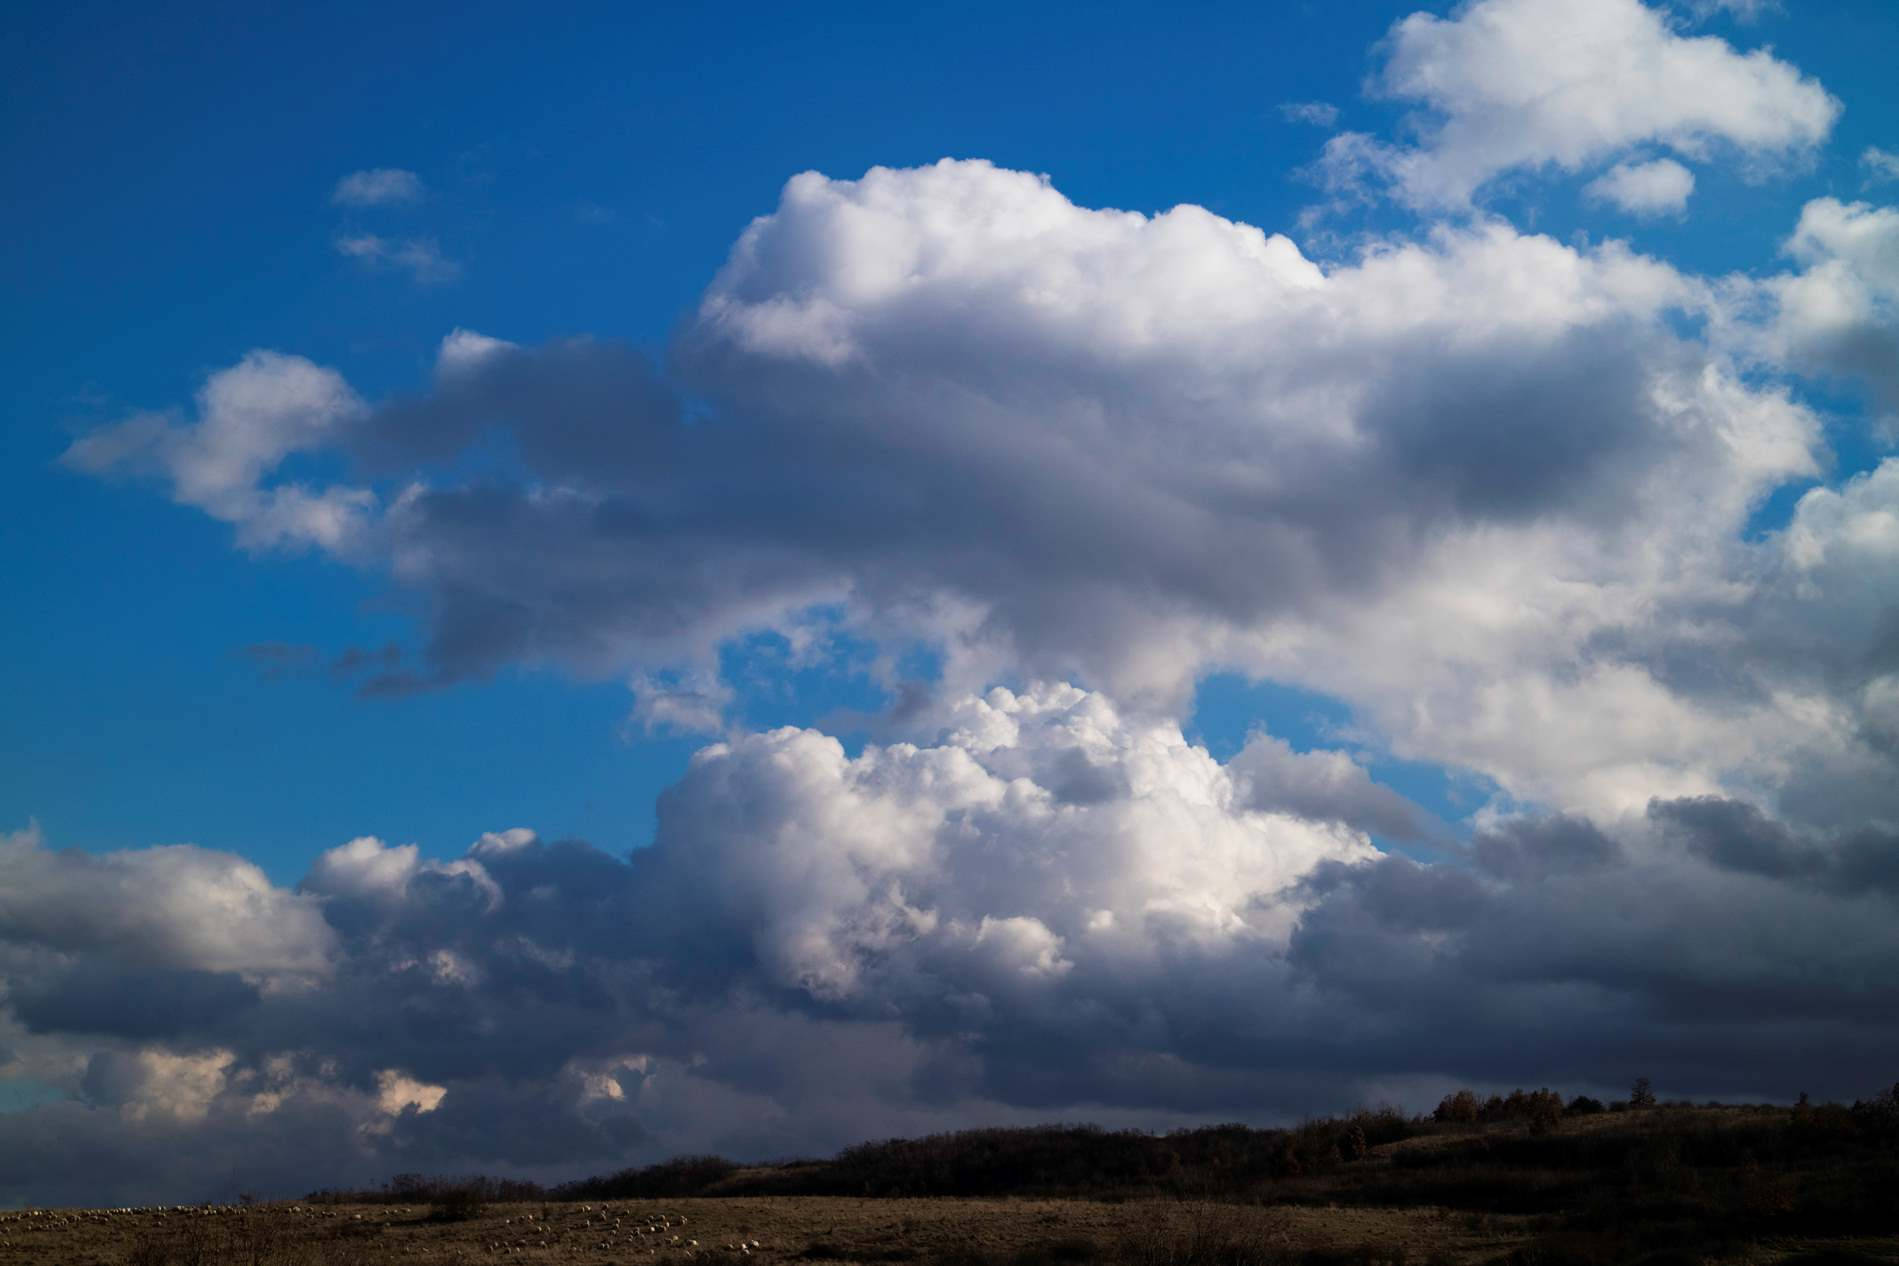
[1584,1106]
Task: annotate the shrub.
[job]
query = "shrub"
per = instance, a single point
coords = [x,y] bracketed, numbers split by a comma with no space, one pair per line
[1584,1106]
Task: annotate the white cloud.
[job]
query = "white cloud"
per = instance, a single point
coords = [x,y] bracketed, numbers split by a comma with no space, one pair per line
[1660,187]
[375,187]
[250,418]
[420,257]
[1524,85]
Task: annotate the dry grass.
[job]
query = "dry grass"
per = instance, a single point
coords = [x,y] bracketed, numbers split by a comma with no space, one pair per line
[787,1229]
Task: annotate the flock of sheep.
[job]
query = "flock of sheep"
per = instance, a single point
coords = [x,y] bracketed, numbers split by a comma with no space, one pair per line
[616,1231]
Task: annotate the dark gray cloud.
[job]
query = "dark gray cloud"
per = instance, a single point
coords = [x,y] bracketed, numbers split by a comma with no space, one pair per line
[1741,837]
[130,1002]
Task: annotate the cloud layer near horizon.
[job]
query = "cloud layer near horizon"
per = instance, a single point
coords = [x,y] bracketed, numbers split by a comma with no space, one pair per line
[1055,910]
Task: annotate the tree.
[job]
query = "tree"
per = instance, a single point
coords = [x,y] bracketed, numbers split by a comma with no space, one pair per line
[1544,1110]
[1460,1108]
[1640,1095]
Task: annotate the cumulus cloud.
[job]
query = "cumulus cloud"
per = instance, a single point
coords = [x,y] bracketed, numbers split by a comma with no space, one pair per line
[1483,486]
[376,187]
[1660,187]
[1526,85]
[420,257]
[1044,831]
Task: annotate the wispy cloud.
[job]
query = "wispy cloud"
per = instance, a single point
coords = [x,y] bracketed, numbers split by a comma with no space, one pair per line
[1880,165]
[1317,113]
[377,187]
[420,257]
[1743,11]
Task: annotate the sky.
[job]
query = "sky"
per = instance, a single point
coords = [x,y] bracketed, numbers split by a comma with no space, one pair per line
[598,584]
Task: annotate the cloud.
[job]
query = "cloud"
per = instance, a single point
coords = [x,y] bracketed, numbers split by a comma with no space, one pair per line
[251,417]
[1051,908]
[420,257]
[175,907]
[1660,187]
[1740,10]
[376,187]
[1839,314]
[1507,86]
[1317,113]
[1044,826]
[1486,488]
[1879,165]
[689,701]
[1327,785]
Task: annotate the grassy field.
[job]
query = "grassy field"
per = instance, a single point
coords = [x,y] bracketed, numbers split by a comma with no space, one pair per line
[804,1229]
[1663,1187]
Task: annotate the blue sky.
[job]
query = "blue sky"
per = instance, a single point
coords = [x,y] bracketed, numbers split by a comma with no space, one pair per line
[592,171]
[589,170]
[1465,510]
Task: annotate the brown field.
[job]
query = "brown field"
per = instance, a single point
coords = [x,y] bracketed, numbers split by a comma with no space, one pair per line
[805,1230]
